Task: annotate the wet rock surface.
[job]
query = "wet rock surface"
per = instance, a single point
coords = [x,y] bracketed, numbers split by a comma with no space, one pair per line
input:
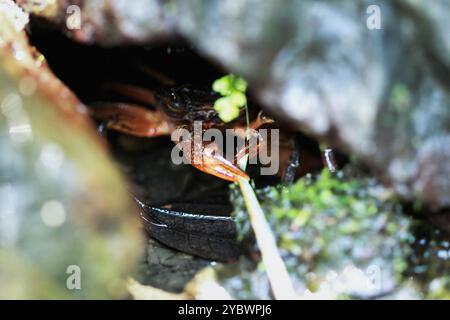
[381,94]
[162,267]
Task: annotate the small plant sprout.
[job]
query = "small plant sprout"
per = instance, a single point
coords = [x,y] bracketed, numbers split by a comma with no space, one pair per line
[233,98]
[232,89]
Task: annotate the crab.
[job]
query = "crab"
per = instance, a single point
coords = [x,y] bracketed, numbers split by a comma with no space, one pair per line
[177,107]
[173,107]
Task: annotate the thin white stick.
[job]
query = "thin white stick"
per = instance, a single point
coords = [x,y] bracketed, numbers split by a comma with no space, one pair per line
[276,270]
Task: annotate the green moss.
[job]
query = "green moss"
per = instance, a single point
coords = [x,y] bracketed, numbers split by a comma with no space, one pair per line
[400,97]
[336,233]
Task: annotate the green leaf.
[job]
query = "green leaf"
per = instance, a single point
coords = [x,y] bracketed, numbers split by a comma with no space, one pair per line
[229,115]
[229,84]
[240,84]
[226,109]
[222,104]
[238,99]
[224,85]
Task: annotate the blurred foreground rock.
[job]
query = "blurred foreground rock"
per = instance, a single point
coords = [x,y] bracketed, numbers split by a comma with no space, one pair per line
[67,226]
[380,94]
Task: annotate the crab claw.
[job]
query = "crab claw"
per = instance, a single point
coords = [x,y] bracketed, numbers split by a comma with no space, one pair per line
[211,162]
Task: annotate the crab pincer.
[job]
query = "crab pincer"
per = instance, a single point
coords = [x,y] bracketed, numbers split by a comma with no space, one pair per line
[215,164]
[207,158]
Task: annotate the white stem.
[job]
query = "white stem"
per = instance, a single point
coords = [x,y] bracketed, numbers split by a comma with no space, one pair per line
[276,270]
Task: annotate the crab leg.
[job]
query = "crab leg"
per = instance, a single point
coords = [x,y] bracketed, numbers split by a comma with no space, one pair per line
[158,76]
[131,119]
[138,94]
[256,142]
[260,120]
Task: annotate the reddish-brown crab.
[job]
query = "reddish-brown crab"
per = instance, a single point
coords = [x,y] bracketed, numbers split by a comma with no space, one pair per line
[176,107]
[208,236]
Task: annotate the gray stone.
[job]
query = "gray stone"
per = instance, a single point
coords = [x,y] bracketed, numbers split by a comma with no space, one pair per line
[379,94]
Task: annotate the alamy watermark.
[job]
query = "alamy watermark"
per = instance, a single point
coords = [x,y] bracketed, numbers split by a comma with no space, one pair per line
[73,281]
[73,19]
[74,16]
[373,21]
